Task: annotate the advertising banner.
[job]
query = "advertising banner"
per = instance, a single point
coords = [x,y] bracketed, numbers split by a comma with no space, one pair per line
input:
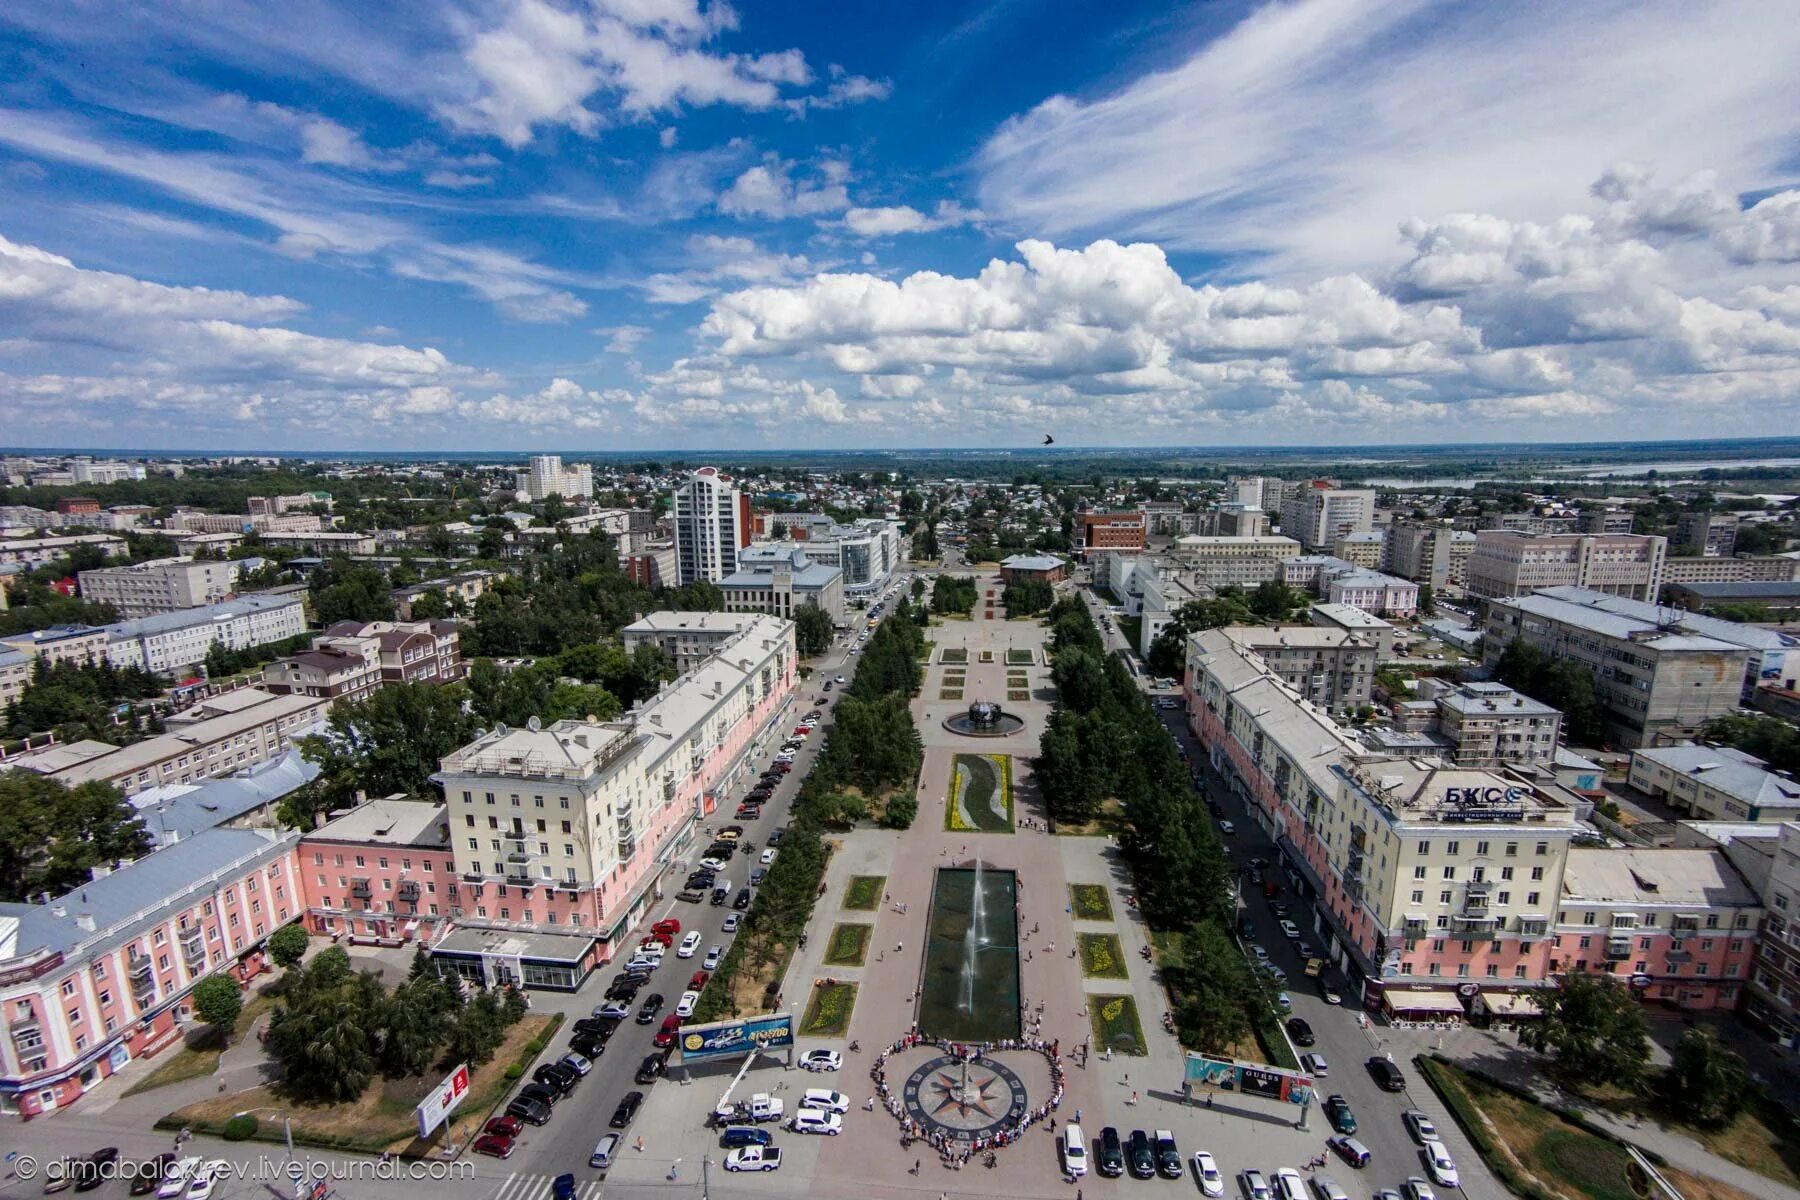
[724,1039]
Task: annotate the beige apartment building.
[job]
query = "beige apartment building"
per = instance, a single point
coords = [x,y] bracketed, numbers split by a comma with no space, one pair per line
[1506,563]
[160,585]
[1332,668]
[1217,562]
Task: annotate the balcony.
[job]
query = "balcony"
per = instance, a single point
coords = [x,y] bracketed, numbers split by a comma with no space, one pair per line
[409,891]
[361,889]
[193,948]
[1618,947]
[1479,887]
[1474,927]
[141,968]
[520,874]
[26,1033]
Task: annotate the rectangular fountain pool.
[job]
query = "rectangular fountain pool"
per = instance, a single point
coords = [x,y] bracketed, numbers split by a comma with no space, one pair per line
[969,991]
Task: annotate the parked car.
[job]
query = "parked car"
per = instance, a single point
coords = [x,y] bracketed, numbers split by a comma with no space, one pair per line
[1414,1188]
[813,1120]
[589,1046]
[1168,1158]
[1315,1064]
[96,1168]
[1337,1111]
[612,1008]
[1328,1188]
[732,920]
[556,1077]
[510,1127]
[1439,1165]
[1206,1170]
[698,981]
[825,1100]
[685,1006]
[713,955]
[1138,1158]
[652,1005]
[736,1136]
[1350,1150]
[207,1179]
[651,1069]
[1300,1031]
[150,1173]
[1289,1185]
[604,1151]
[1255,1186]
[176,1178]
[665,1034]
[494,1145]
[1387,1073]
[1110,1161]
[821,1060]
[532,1112]
[689,944]
[547,1096]
[626,1110]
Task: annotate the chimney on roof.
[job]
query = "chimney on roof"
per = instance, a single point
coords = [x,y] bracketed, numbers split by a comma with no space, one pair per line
[85,921]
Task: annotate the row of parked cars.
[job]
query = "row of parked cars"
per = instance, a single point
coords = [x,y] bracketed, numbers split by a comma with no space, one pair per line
[752,1148]
[168,1175]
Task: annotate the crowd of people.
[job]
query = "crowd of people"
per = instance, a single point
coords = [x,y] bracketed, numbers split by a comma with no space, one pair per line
[954,1150]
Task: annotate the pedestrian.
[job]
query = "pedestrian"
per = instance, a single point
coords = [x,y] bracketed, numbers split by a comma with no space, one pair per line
[1134,1095]
[1127,1082]
[916,1164]
[898,946]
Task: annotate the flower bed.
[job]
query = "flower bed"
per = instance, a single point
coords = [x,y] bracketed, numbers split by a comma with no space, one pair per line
[953,654]
[1115,1021]
[863,892]
[1101,956]
[828,1012]
[1017,657]
[950,694]
[849,945]
[980,799]
[1018,697]
[987,656]
[1090,902]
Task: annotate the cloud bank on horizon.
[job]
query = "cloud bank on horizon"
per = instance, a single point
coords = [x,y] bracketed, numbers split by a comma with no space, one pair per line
[664,223]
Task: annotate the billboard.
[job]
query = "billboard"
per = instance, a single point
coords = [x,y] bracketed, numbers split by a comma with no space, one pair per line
[1207,1073]
[724,1039]
[443,1100]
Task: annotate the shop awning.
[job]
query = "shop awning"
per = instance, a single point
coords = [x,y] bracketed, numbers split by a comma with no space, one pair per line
[1441,1002]
[1510,1004]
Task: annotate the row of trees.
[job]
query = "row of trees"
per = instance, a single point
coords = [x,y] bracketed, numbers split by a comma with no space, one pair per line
[1270,601]
[1561,683]
[1594,1032]
[52,836]
[1771,739]
[1025,597]
[79,700]
[954,594]
[336,1029]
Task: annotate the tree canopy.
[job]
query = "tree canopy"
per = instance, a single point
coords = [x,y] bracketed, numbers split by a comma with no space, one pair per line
[1562,683]
[812,630]
[52,836]
[1592,1028]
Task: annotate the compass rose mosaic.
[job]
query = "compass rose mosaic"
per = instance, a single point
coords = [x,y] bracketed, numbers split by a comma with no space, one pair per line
[964,1100]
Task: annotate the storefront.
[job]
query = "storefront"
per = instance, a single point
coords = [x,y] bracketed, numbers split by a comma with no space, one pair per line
[557,962]
[1430,1006]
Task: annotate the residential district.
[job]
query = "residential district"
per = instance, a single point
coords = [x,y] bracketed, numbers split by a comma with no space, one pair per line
[544,822]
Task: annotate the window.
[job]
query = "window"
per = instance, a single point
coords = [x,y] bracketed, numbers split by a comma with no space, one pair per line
[1531,898]
[1418,897]
[1587,918]
[1418,872]
[68,987]
[1543,848]
[1449,872]
[1512,849]
[1444,897]
[1481,849]
[1537,873]
[1424,847]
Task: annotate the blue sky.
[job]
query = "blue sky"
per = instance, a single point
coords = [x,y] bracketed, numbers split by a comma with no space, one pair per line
[613,224]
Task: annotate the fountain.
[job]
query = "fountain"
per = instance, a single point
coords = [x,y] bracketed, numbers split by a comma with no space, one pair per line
[969,988]
[984,718]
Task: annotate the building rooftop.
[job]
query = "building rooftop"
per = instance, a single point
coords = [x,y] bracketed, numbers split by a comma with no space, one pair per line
[1608,614]
[1319,637]
[1350,616]
[1032,562]
[1309,738]
[1785,589]
[1475,699]
[209,614]
[1739,775]
[1429,791]
[392,821]
[175,811]
[1655,877]
[119,903]
[694,622]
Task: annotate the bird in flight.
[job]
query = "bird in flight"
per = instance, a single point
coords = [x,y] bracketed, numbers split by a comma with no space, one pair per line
[1048,440]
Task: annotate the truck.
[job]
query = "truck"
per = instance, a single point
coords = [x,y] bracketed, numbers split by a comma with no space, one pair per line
[760,1107]
[753,1158]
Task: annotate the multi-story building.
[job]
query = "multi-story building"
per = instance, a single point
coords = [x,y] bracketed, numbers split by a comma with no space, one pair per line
[15,674]
[36,551]
[462,589]
[1244,562]
[1443,890]
[712,523]
[160,585]
[866,552]
[687,638]
[1163,518]
[1371,591]
[1319,512]
[382,873]
[1158,597]
[332,671]
[1418,552]
[546,476]
[1259,491]
[1123,531]
[103,975]
[1736,568]
[779,579]
[1715,783]
[407,651]
[172,642]
[81,644]
[195,521]
[1362,549]
[1033,568]
[1604,520]
[1234,520]
[1780,599]
[562,833]
[1773,1000]
[1332,668]
[1506,563]
[218,736]
[1490,725]
[1707,534]
[274,506]
[1658,680]
[323,543]
[1678,925]
[651,564]
[1536,523]
[1366,625]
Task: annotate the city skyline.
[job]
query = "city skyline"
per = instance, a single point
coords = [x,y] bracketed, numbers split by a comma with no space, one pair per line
[674,226]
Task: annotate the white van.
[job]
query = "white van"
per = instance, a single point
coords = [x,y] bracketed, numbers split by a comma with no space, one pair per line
[1074,1149]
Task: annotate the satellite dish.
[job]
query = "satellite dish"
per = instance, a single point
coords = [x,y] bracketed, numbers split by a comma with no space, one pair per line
[534,724]
[500,728]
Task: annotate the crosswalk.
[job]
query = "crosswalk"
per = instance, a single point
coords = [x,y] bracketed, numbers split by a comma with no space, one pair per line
[519,1186]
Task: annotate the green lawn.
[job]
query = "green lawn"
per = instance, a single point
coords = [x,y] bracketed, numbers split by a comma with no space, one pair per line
[1090,902]
[828,1012]
[863,892]
[200,1056]
[1018,657]
[954,654]
[849,945]
[1101,956]
[1115,1020]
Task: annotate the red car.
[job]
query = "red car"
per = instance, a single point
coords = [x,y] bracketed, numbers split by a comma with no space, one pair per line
[506,1127]
[658,938]
[493,1144]
[668,925]
[802,730]
[699,980]
[666,1035]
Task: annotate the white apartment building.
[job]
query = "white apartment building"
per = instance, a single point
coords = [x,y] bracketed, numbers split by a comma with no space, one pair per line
[712,523]
[36,551]
[546,476]
[1243,562]
[1332,668]
[1319,512]
[1490,725]
[322,543]
[779,580]
[867,551]
[168,643]
[1506,563]
[1715,783]
[688,638]
[160,585]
